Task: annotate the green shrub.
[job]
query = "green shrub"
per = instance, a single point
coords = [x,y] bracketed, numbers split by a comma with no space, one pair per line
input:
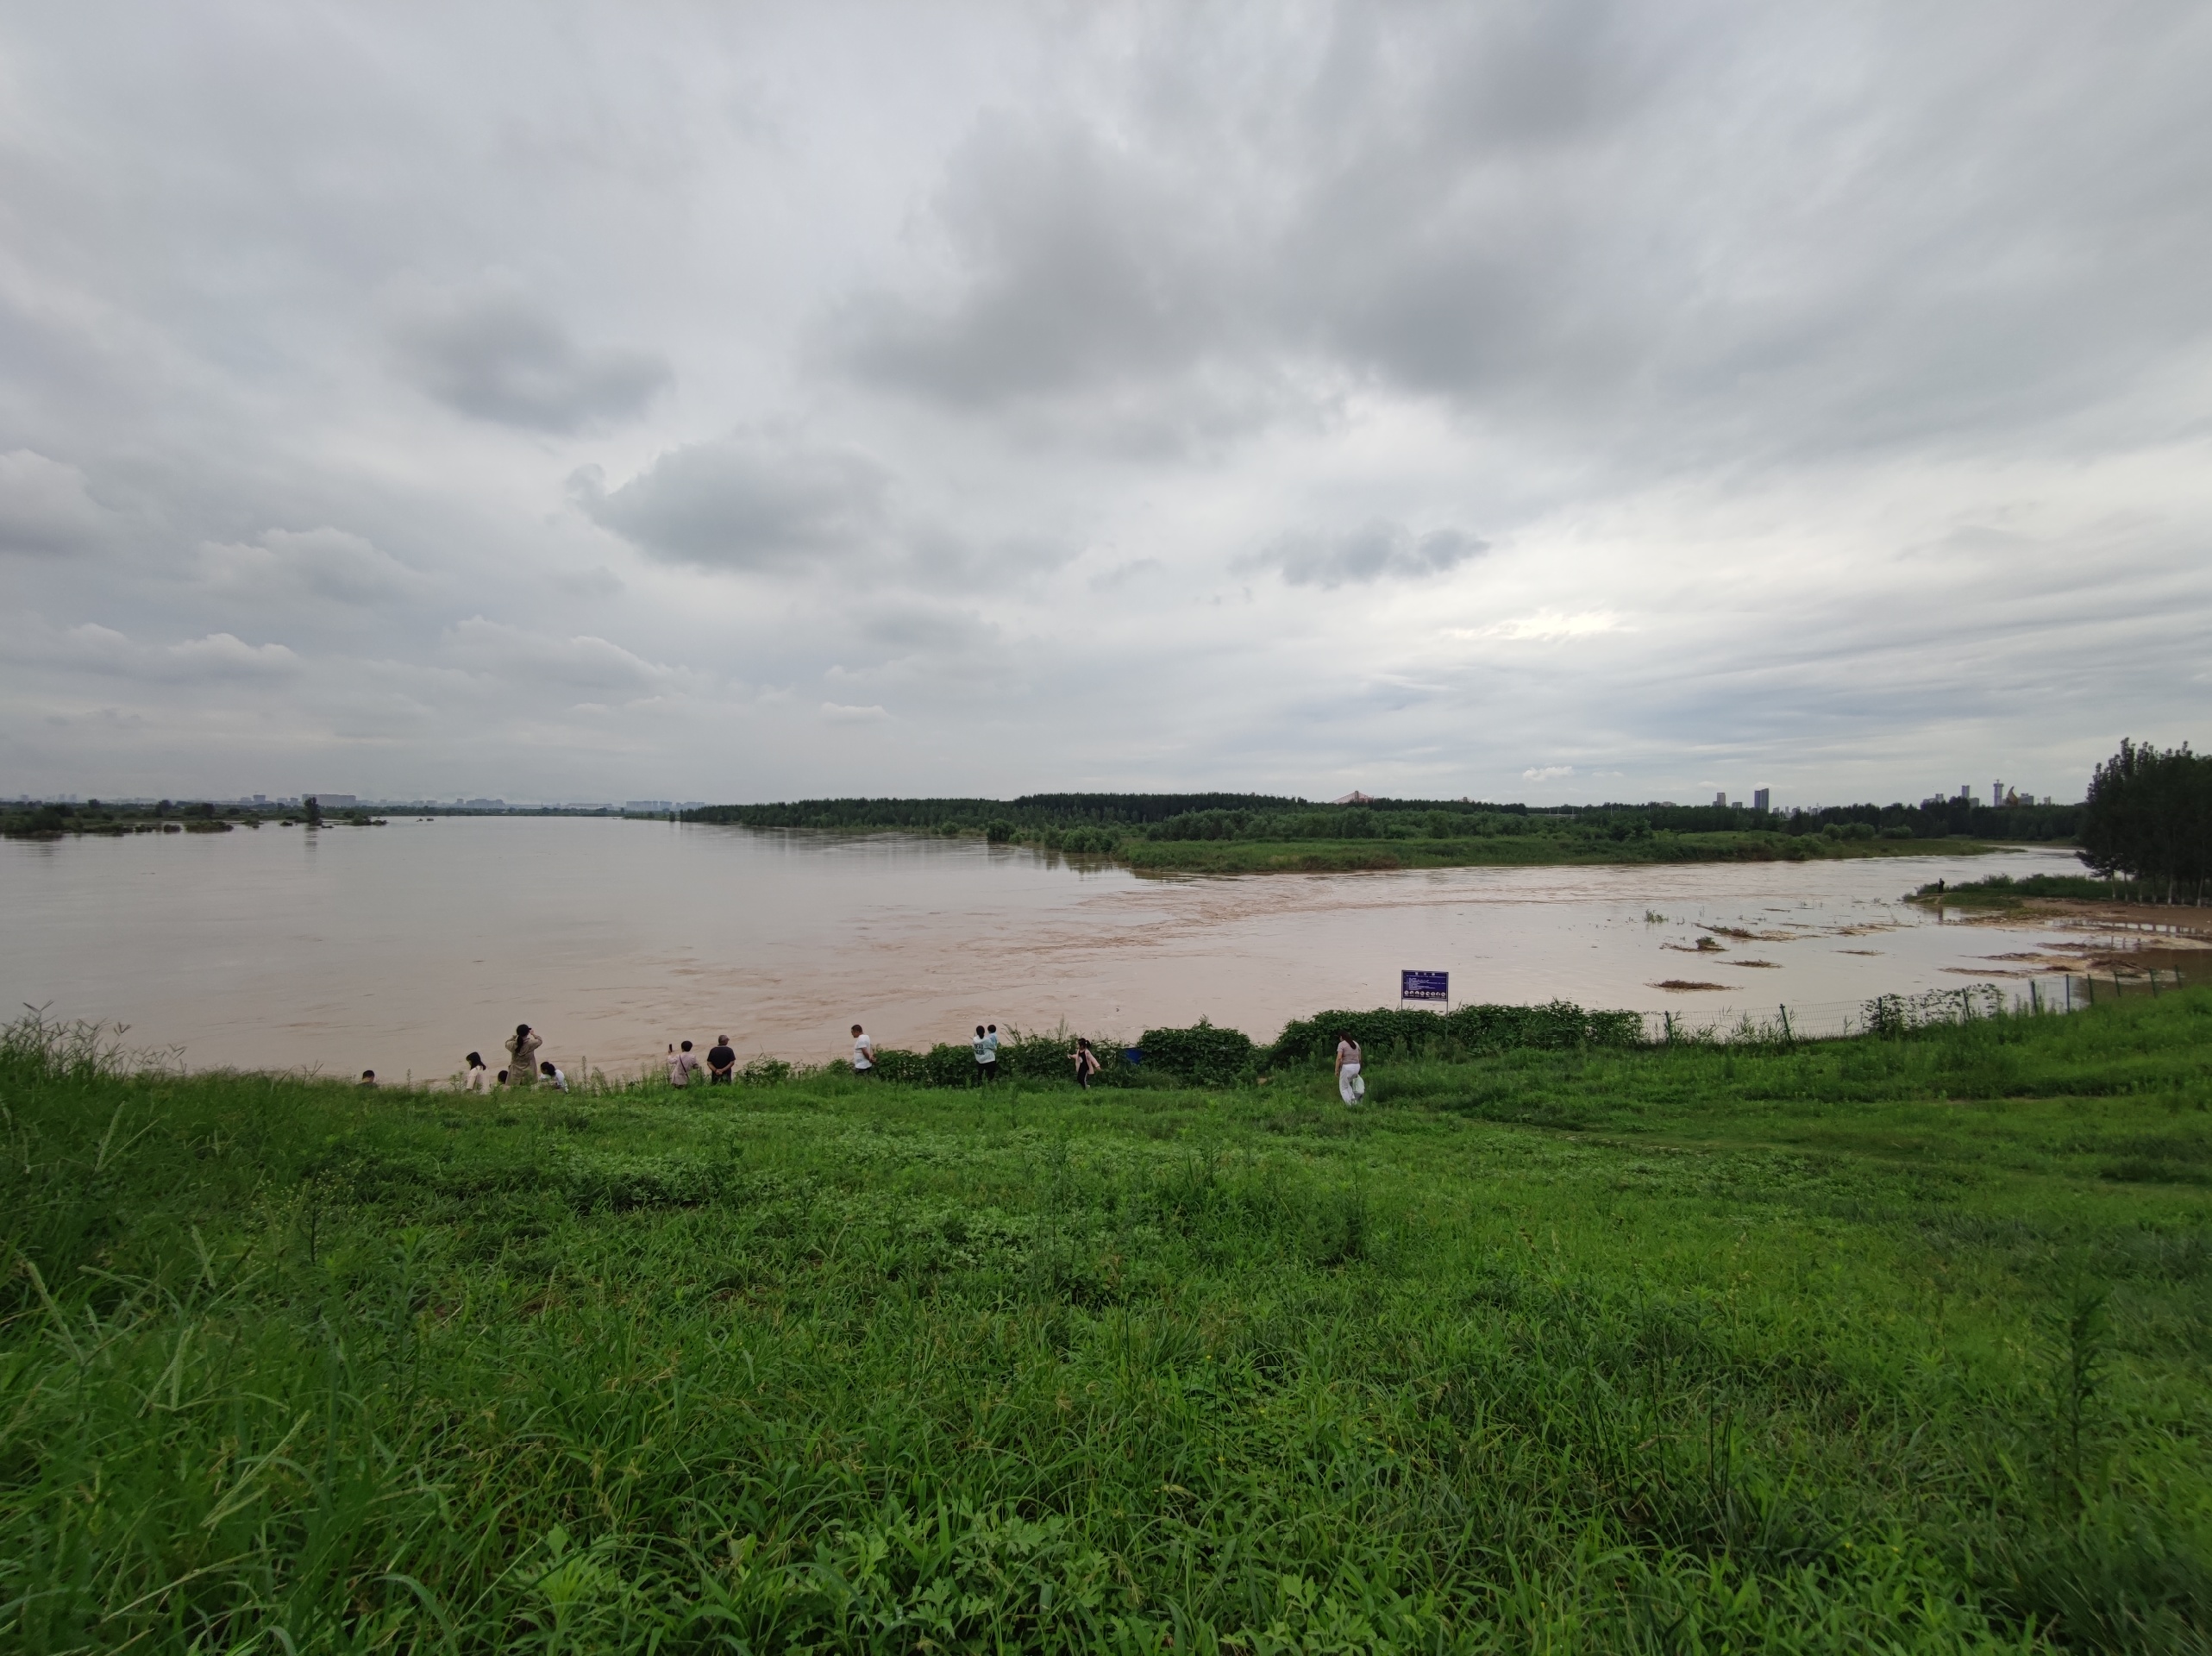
[1389,1031]
[946,1065]
[1090,842]
[894,1064]
[1203,1053]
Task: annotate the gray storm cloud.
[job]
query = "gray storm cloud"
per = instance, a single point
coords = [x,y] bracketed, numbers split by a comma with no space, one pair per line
[1312,398]
[1374,551]
[1693,237]
[743,503]
[491,352]
[45,510]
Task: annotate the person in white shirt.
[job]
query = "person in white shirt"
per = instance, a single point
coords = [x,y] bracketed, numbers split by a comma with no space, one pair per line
[478,1079]
[1349,1086]
[987,1053]
[557,1077]
[683,1065]
[863,1052]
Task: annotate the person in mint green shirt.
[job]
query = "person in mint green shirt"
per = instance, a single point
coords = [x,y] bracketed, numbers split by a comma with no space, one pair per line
[985,1046]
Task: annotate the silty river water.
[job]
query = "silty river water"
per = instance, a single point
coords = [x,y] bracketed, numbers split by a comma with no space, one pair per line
[400,948]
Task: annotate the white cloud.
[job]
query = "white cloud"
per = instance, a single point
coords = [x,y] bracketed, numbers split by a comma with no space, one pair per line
[90,647]
[1548,773]
[515,654]
[839,714]
[1545,626]
[326,564]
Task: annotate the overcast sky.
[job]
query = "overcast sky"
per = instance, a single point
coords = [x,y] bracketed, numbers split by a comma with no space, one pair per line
[1565,401]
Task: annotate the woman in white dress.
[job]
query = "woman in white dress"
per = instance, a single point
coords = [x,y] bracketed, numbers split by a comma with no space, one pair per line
[1349,1086]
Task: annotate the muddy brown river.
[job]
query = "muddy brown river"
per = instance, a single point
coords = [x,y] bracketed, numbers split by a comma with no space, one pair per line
[400,948]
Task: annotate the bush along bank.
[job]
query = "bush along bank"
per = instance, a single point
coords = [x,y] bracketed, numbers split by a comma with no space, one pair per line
[1466,1032]
[1203,1055]
[1206,1054]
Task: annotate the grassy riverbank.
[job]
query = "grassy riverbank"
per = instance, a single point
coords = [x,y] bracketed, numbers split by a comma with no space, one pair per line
[1246,856]
[1226,833]
[1892,1344]
[2002,891]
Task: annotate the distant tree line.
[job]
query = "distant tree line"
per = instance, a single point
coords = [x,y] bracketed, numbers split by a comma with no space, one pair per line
[1100,822]
[1031,811]
[2149,817]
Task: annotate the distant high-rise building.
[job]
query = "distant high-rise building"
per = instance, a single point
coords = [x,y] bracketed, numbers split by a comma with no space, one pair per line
[1762,798]
[1721,798]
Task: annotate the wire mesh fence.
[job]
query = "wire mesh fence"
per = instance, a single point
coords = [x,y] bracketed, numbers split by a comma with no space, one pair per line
[2055,994]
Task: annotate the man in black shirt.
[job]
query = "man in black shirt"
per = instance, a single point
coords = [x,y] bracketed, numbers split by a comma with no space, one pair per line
[721,1060]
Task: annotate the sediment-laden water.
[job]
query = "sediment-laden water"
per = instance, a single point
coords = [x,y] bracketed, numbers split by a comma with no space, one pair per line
[401,948]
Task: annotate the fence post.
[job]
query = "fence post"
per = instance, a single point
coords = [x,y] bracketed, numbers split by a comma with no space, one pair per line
[1788,1039]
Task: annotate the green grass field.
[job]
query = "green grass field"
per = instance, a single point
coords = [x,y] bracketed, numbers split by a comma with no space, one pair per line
[1892,1344]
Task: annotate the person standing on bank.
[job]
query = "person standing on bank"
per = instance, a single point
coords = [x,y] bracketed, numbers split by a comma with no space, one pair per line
[682,1066]
[1086,1063]
[986,1055]
[1349,1086]
[522,1044]
[863,1052]
[721,1062]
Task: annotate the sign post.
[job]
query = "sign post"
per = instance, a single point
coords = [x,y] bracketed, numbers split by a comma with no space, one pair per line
[1425,986]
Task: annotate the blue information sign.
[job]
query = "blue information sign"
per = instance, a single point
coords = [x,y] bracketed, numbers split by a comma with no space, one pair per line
[1425,986]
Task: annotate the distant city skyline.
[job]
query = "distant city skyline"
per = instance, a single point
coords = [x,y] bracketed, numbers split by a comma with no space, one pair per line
[1561,403]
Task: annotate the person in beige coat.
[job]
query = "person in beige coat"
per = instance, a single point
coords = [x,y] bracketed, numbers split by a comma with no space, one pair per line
[524,1045]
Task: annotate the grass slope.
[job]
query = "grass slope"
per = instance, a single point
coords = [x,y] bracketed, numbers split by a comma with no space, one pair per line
[1892,1344]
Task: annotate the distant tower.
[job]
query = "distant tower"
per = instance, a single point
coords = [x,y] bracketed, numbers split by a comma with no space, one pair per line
[1762,798]
[1996,792]
[1721,798]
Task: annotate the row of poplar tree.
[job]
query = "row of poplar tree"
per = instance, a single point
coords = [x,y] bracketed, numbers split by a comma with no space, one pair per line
[2149,817]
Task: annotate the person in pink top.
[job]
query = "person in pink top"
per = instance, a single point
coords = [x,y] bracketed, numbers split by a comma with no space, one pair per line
[683,1065]
[1349,1086]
